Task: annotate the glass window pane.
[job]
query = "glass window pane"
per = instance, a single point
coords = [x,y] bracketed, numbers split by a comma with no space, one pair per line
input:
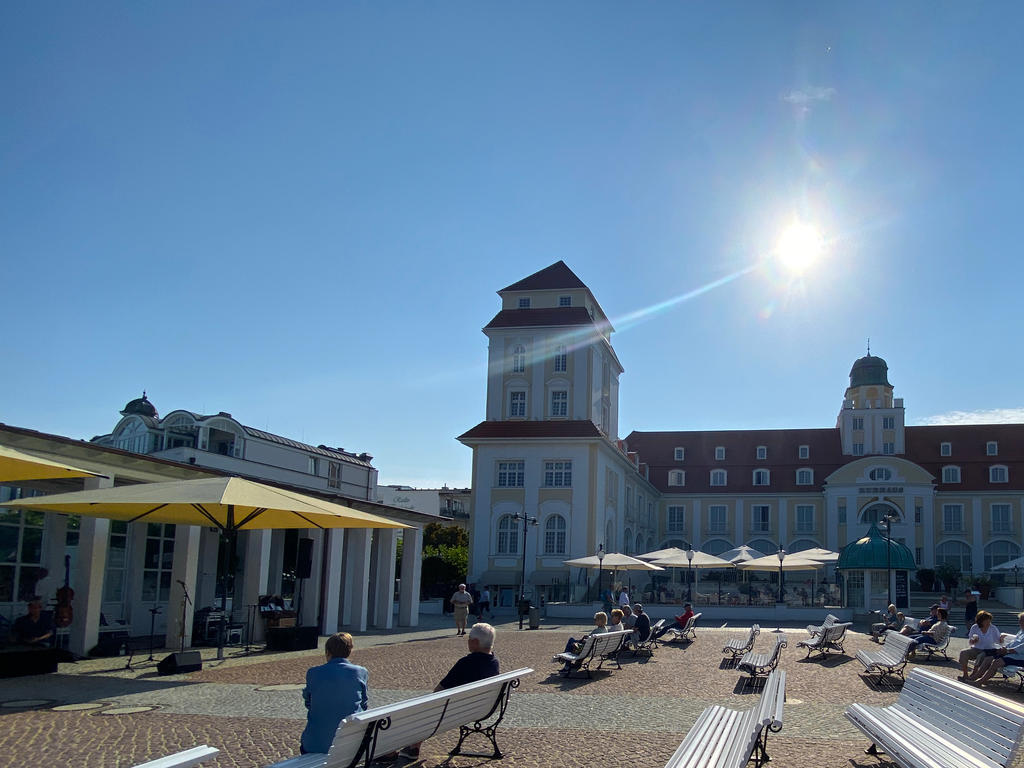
[168,555]
[153,529]
[165,586]
[152,553]
[113,586]
[28,577]
[32,545]
[6,583]
[169,530]
[118,526]
[8,544]
[8,515]
[149,586]
[34,517]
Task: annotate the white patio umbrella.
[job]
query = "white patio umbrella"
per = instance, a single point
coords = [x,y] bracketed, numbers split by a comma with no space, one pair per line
[700,560]
[790,563]
[1009,565]
[660,553]
[613,561]
[819,554]
[741,554]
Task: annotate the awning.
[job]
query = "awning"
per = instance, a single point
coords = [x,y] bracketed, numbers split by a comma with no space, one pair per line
[495,578]
[546,578]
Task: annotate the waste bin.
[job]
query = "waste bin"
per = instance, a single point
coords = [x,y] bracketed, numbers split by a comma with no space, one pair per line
[534,617]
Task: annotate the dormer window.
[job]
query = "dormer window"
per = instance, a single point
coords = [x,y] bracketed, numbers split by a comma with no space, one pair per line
[804,452]
[951,474]
[677,477]
[991,448]
[945,449]
[761,477]
[998,474]
[679,454]
[718,477]
[762,452]
[565,301]
[805,476]
[720,453]
[524,302]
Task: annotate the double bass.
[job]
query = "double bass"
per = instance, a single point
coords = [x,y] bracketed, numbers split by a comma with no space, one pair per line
[64,614]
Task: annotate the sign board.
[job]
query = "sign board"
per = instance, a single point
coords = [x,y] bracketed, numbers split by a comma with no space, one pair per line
[902,591]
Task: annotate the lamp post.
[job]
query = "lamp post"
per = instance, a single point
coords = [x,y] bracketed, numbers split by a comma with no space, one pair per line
[689,568]
[527,522]
[600,571]
[782,556]
[888,520]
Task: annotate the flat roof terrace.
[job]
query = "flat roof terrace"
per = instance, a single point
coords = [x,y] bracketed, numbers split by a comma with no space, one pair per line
[95,713]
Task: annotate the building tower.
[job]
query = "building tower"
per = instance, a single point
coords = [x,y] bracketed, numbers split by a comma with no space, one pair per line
[871,421]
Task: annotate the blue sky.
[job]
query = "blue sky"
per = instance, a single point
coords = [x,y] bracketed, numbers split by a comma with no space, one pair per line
[299,213]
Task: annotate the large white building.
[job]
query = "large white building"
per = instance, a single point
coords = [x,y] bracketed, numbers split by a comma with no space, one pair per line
[548,449]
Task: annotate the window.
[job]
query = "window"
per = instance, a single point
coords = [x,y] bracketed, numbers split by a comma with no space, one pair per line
[313,465]
[999,552]
[952,518]
[561,361]
[998,474]
[557,474]
[956,553]
[720,453]
[627,538]
[21,551]
[804,452]
[918,513]
[761,477]
[717,518]
[951,474]
[510,474]
[880,474]
[1000,518]
[888,422]
[804,518]
[888,448]
[676,519]
[858,422]
[991,448]
[841,512]
[565,301]
[718,477]
[559,403]
[517,404]
[554,535]
[524,303]
[333,474]
[805,476]
[858,449]
[760,518]
[518,358]
[508,542]
[679,454]
[677,477]
[945,449]
[762,452]
[115,578]
[917,555]
[156,567]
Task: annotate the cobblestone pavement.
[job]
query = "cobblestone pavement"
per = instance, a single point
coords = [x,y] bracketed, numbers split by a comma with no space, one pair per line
[250,706]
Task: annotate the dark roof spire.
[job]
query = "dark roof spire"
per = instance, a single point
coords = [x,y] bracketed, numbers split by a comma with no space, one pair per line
[556,277]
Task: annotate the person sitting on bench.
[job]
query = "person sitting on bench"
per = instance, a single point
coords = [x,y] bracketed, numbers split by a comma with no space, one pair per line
[938,632]
[33,628]
[680,621]
[1011,654]
[573,644]
[641,625]
[616,624]
[479,664]
[925,624]
[333,691]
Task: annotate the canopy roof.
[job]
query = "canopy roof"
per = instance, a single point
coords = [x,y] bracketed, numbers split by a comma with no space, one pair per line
[874,552]
[17,465]
[613,561]
[700,560]
[741,554]
[789,563]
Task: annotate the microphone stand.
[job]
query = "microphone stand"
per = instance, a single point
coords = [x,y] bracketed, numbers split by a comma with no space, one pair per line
[184,603]
[152,629]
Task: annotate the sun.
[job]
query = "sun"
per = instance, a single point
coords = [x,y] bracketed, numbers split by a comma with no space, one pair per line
[800,246]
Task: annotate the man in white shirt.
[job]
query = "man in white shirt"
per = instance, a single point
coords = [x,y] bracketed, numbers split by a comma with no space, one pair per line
[623,598]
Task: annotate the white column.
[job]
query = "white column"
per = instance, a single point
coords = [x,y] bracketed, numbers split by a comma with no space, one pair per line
[185,568]
[276,566]
[783,523]
[383,602]
[311,587]
[412,565]
[254,579]
[695,537]
[357,578]
[93,538]
[332,579]
[977,543]
[56,536]
[740,538]
[832,522]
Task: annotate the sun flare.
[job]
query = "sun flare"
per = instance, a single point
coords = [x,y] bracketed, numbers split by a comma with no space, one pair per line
[799,247]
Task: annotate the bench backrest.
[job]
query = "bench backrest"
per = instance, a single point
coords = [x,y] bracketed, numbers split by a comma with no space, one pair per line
[609,642]
[941,638]
[691,622]
[184,759]
[896,646]
[829,621]
[754,632]
[983,722]
[407,722]
[769,707]
[780,643]
[836,631]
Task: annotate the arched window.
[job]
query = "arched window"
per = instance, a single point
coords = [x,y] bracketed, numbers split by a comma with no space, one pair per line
[560,359]
[761,477]
[880,473]
[951,474]
[639,543]
[650,543]
[518,358]
[609,537]
[998,474]
[508,542]
[718,477]
[627,536]
[716,546]
[956,553]
[999,552]
[805,476]
[765,546]
[800,545]
[554,535]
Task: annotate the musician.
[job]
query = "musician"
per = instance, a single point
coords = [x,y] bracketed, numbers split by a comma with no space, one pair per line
[33,628]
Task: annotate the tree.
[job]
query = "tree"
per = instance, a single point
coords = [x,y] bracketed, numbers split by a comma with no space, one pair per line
[445,559]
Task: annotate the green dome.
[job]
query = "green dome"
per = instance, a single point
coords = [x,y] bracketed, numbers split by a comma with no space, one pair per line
[868,371]
[869,553]
[140,406]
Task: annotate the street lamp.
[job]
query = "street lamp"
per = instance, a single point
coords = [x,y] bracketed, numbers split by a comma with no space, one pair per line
[782,556]
[888,519]
[600,570]
[689,568]
[527,521]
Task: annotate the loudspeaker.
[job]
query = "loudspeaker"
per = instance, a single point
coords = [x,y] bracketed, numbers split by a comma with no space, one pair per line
[304,560]
[176,663]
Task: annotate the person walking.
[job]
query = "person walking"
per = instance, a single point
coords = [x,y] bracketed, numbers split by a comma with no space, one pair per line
[461,601]
[485,604]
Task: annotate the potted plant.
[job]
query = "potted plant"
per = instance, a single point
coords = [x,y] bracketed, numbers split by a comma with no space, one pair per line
[949,575]
[983,584]
[926,578]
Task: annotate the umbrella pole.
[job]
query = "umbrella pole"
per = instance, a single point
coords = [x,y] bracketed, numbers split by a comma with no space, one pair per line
[232,539]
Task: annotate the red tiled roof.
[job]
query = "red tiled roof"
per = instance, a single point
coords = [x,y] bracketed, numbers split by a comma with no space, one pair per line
[522,318]
[658,450]
[967,444]
[557,276]
[510,430]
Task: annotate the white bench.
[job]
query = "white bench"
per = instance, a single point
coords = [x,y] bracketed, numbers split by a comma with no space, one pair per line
[652,641]
[725,738]
[367,735]
[830,639]
[184,759]
[1013,674]
[817,629]
[689,632]
[761,664]
[603,647]
[940,723]
[736,647]
[890,659]
[938,646]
